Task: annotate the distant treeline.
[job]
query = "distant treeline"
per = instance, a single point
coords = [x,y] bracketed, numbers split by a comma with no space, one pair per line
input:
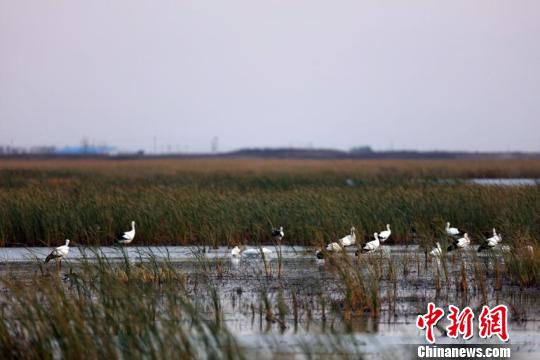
[297,153]
[366,153]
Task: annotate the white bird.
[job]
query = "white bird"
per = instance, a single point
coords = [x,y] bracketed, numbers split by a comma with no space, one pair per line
[437,251]
[278,234]
[332,247]
[451,231]
[349,239]
[372,245]
[496,237]
[236,251]
[126,237]
[460,243]
[251,252]
[58,253]
[491,242]
[384,235]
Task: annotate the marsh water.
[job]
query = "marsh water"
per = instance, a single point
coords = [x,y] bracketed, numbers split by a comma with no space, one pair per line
[242,283]
[506,182]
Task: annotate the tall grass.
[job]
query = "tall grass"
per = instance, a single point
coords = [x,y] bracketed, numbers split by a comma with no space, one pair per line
[181,205]
[523,264]
[150,308]
[110,310]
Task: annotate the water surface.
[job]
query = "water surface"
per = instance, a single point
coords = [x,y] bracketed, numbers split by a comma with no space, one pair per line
[242,283]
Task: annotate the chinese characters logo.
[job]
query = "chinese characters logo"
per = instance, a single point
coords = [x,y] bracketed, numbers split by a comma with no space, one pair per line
[490,322]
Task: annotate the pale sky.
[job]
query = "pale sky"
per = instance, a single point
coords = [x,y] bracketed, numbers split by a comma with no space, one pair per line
[449,75]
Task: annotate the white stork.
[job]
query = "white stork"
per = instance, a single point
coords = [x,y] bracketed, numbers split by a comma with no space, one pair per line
[384,235]
[452,231]
[437,251]
[58,253]
[372,245]
[349,239]
[460,243]
[126,237]
[278,234]
[491,242]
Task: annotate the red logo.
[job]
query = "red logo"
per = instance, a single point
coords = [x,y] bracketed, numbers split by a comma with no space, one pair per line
[490,322]
[429,320]
[460,322]
[493,322]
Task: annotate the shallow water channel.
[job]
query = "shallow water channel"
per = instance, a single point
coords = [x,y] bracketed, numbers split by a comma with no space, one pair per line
[241,284]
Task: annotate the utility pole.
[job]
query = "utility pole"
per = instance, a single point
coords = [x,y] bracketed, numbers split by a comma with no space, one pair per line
[215,144]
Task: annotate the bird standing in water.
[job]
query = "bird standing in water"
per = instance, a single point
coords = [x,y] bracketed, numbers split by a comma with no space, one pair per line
[452,231]
[370,246]
[126,237]
[349,239]
[278,234]
[460,243]
[491,242]
[58,253]
[385,234]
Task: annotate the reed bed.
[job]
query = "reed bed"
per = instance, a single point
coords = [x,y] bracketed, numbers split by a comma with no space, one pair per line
[232,202]
[150,308]
[140,168]
[109,310]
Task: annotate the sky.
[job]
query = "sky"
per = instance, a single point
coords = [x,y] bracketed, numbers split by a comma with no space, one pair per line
[172,75]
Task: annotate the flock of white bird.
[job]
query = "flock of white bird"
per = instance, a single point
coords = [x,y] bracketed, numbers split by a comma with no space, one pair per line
[350,240]
[237,252]
[123,238]
[461,241]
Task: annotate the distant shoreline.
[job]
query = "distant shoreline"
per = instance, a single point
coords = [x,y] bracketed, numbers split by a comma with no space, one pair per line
[293,153]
